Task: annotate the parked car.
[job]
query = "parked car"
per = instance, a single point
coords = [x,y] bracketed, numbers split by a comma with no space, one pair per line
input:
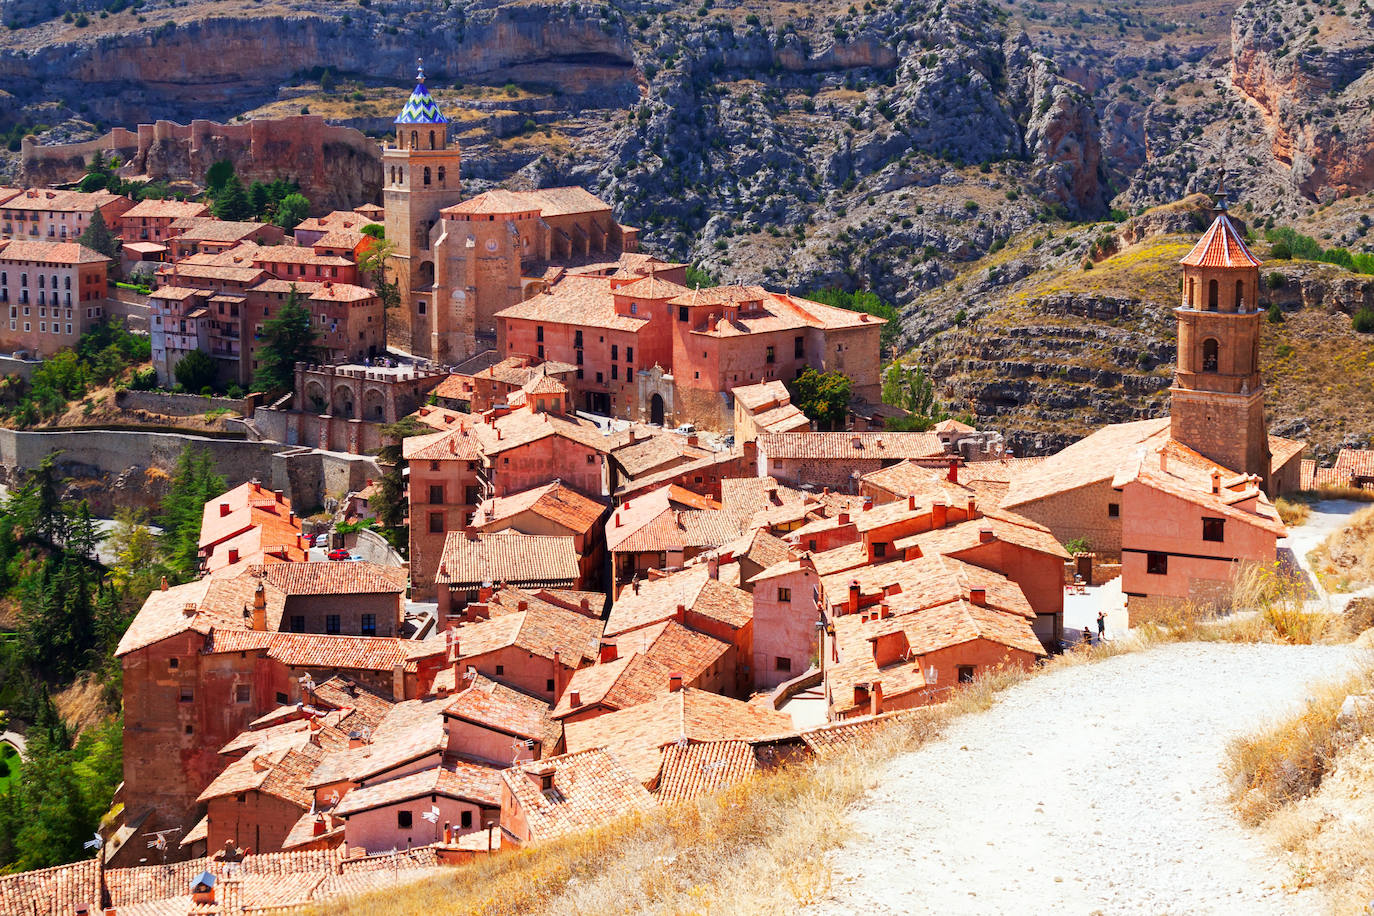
[340,553]
[321,540]
[686,428]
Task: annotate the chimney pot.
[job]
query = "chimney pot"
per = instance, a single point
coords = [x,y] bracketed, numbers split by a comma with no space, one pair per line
[876,698]
[985,536]
[609,652]
[939,515]
[911,501]
[978,595]
[843,518]
[223,509]
[952,475]
[675,682]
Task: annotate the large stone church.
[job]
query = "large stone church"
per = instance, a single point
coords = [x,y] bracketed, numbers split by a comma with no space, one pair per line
[458,262]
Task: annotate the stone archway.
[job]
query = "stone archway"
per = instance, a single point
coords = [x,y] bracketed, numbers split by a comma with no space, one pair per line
[656,409]
[374,405]
[343,402]
[316,399]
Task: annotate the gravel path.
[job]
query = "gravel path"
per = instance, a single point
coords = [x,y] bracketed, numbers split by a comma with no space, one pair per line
[1095,789]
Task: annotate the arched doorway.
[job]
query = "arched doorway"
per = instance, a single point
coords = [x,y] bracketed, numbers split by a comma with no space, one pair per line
[656,409]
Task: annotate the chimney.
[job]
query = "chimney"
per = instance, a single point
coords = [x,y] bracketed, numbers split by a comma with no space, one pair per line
[203,889]
[398,682]
[692,439]
[574,698]
[713,567]
[233,555]
[260,608]
[1163,460]
[609,652]
[971,507]
[675,682]
[985,536]
[223,509]
[522,605]
[1216,480]
[978,595]
[557,674]
[484,592]
[939,515]
[854,596]
[189,609]
[884,611]
[681,614]
[952,475]
[164,583]
[868,503]
[618,520]
[448,833]
[843,518]
[875,698]
[318,828]
[355,739]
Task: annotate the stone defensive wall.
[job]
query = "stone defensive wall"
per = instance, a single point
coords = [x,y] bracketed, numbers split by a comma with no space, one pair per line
[183,405]
[304,475]
[336,167]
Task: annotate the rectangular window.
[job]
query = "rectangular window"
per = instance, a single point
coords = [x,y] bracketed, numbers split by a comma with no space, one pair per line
[403,820]
[539,333]
[880,550]
[548,685]
[782,663]
[577,338]
[784,594]
[173,662]
[187,695]
[769,357]
[471,496]
[369,625]
[243,693]
[466,820]
[1113,510]
[331,624]
[966,673]
[615,372]
[629,354]
[615,351]
[436,494]
[500,670]
[682,313]
[798,347]
[1157,563]
[281,699]
[539,351]
[1214,529]
[297,623]
[436,523]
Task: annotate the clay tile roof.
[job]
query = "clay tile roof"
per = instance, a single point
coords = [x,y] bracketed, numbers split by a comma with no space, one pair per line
[908,478]
[1090,460]
[637,735]
[590,788]
[875,446]
[628,681]
[339,238]
[205,229]
[1221,246]
[461,780]
[656,600]
[50,252]
[839,736]
[679,649]
[652,287]
[1308,474]
[281,772]
[952,426]
[449,445]
[411,730]
[167,612]
[494,202]
[541,630]
[559,504]
[675,529]
[164,209]
[1282,450]
[576,300]
[690,771]
[508,556]
[1356,462]
[314,650]
[763,394]
[494,705]
[541,383]
[1005,526]
[333,578]
[722,295]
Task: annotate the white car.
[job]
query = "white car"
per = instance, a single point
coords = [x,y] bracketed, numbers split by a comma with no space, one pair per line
[321,540]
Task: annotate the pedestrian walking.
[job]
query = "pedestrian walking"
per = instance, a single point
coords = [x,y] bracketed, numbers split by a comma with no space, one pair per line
[1101,625]
[1087,637]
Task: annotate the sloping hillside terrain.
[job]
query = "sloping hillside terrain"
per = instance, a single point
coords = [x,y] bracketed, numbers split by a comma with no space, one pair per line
[896,146]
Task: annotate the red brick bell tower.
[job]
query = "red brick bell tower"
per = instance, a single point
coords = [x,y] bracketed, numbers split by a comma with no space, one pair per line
[1217,400]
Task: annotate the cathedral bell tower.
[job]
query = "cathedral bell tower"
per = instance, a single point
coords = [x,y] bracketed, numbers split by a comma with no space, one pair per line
[421,174]
[1217,400]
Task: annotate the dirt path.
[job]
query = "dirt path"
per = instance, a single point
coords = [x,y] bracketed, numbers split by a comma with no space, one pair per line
[1095,789]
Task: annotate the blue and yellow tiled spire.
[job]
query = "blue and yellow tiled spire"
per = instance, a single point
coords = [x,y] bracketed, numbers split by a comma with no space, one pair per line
[420,107]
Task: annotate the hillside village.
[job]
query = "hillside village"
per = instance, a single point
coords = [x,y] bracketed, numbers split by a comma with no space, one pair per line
[635,570]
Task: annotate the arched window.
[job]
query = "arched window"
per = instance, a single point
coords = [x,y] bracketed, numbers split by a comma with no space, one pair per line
[1212,295]
[442,172]
[1240,296]
[426,175]
[1210,348]
[414,139]
[1192,294]
[431,139]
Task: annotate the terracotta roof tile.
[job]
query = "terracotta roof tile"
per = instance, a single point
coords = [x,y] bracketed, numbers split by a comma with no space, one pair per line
[540,630]
[411,730]
[164,209]
[450,445]
[508,556]
[494,705]
[628,681]
[910,479]
[636,735]
[1089,460]
[678,648]
[657,600]
[590,788]
[333,578]
[1356,462]
[690,771]
[50,252]
[555,502]
[839,736]
[880,446]
[460,779]
[1221,246]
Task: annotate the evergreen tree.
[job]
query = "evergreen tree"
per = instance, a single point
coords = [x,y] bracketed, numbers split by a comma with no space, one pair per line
[194,483]
[217,175]
[288,338]
[291,209]
[258,195]
[231,202]
[195,371]
[98,237]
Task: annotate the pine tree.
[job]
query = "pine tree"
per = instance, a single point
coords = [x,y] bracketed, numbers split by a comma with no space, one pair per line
[261,199]
[232,203]
[288,338]
[194,483]
[98,237]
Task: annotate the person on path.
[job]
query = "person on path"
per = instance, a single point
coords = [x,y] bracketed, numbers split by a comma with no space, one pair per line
[1101,625]
[1087,637]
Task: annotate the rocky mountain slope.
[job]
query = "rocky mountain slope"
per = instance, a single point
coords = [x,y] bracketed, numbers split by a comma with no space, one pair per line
[904,147]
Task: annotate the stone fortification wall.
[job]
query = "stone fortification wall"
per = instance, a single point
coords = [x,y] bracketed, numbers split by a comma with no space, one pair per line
[183,405]
[116,468]
[336,167]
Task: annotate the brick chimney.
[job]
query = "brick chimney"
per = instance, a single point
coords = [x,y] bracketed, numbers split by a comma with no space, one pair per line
[868,503]
[985,536]
[911,501]
[680,615]
[713,567]
[675,682]
[260,608]
[843,518]
[484,592]
[233,555]
[978,595]
[854,596]
[875,698]
[1216,480]
[398,682]
[223,509]
[609,651]
[952,475]
[939,515]
[574,698]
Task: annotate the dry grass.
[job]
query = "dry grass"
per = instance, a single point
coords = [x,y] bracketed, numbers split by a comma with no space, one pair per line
[1288,760]
[757,847]
[1292,513]
[1345,560]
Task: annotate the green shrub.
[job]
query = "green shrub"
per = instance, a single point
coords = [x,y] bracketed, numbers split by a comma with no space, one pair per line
[1275,313]
[1363,322]
[1275,280]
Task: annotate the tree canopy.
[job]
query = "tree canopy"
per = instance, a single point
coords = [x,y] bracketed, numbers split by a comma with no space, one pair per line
[98,237]
[822,396]
[287,338]
[195,371]
[194,483]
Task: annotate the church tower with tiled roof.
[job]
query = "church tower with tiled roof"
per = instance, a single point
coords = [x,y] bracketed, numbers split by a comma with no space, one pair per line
[1217,400]
[421,174]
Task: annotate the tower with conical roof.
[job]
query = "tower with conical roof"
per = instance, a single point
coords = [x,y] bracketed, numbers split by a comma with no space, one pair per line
[421,174]
[1217,400]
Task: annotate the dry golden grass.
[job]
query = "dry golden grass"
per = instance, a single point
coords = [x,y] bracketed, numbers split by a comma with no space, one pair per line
[756,847]
[1293,513]
[1288,759]
[1345,560]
